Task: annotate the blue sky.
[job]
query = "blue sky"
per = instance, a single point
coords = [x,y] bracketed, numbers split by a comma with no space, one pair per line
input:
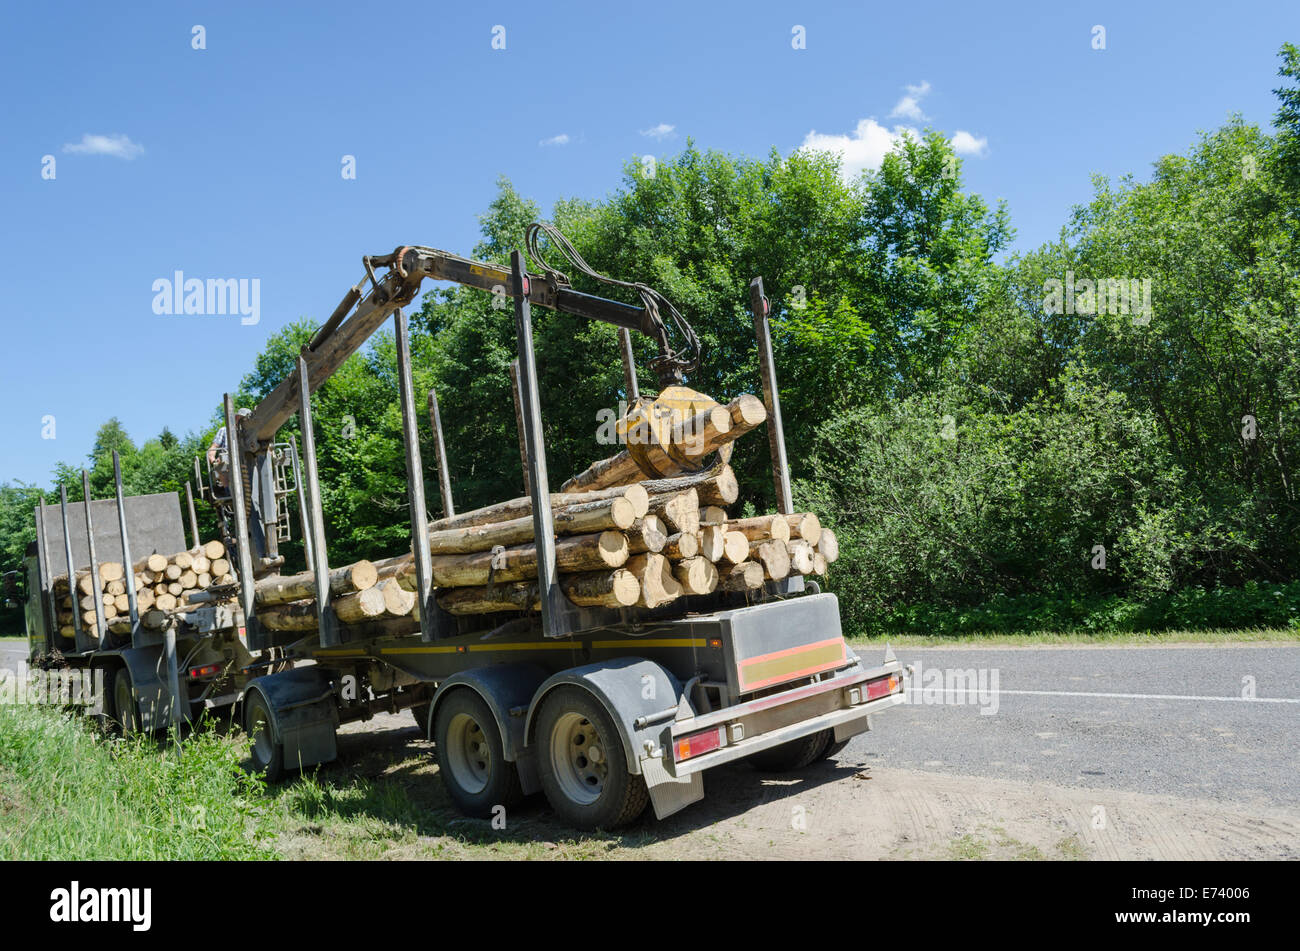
[225,162]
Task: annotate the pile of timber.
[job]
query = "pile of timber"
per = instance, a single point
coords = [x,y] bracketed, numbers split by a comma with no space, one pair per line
[640,529]
[163,585]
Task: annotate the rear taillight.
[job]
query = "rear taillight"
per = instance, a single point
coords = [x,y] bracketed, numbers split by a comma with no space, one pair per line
[207,670]
[694,744]
[883,687]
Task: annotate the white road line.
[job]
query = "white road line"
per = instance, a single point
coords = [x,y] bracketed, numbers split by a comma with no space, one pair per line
[1112,696]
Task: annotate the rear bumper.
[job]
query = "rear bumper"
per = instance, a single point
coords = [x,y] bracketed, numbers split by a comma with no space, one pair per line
[781,717]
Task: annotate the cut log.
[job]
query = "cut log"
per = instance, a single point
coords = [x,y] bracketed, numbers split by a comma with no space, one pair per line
[716,486]
[202,564]
[156,563]
[828,545]
[205,580]
[121,603]
[819,563]
[281,589]
[173,572]
[176,588]
[359,606]
[680,511]
[713,515]
[214,550]
[183,560]
[189,579]
[523,506]
[711,541]
[648,534]
[573,554]
[398,602]
[735,549]
[614,589]
[773,556]
[111,571]
[654,573]
[681,546]
[805,525]
[581,518]
[115,587]
[801,556]
[690,441]
[296,616]
[696,575]
[742,577]
[761,527]
[220,567]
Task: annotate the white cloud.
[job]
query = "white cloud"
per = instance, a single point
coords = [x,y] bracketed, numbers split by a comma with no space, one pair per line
[118,146]
[866,148]
[561,139]
[662,131]
[909,107]
[964,143]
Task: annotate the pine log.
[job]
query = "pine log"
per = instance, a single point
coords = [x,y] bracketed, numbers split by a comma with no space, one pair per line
[614,589]
[183,560]
[711,541]
[761,527]
[742,577]
[111,571]
[801,556]
[172,572]
[735,549]
[696,575]
[281,589]
[716,486]
[828,545]
[202,564]
[176,589]
[581,518]
[398,602]
[681,546]
[648,534]
[188,579]
[220,567]
[658,586]
[573,554]
[680,510]
[523,506]
[773,556]
[295,616]
[819,563]
[214,550]
[359,606]
[713,515]
[805,525]
[121,603]
[689,442]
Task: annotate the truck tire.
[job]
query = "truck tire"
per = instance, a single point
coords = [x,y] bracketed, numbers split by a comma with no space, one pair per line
[833,749]
[582,765]
[471,756]
[421,714]
[125,713]
[793,755]
[259,722]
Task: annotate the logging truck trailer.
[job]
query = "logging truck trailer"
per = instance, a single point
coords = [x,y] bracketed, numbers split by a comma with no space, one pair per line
[601,709]
[142,678]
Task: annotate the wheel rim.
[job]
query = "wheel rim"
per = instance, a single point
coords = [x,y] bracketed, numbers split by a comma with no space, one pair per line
[469,754]
[260,727]
[579,759]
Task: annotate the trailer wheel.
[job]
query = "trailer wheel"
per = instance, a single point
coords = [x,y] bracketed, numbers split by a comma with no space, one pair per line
[126,714]
[471,756]
[259,722]
[793,755]
[833,749]
[582,764]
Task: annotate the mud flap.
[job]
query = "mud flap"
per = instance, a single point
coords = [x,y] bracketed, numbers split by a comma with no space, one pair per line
[852,728]
[668,793]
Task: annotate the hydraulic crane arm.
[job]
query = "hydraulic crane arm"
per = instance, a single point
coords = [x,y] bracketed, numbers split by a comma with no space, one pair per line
[359,315]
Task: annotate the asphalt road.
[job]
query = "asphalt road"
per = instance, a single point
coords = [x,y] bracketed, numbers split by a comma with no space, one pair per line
[1136,719]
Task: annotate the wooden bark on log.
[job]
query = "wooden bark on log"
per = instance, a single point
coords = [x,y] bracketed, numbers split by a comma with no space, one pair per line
[523,506]
[615,589]
[711,541]
[658,586]
[773,556]
[680,511]
[742,577]
[716,486]
[359,606]
[801,556]
[805,525]
[573,554]
[681,546]
[735,549]
[281,589]
[648,534]
[761,527]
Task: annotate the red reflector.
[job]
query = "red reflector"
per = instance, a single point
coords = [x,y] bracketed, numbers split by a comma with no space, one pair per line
[208,670]
[684,747]
[882,687]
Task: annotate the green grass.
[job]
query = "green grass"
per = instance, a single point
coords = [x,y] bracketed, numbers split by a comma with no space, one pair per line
[1274,635]
[70,791]
[13,637]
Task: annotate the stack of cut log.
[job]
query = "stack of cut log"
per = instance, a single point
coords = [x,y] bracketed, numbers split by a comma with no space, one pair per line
[623,539]
[163,585]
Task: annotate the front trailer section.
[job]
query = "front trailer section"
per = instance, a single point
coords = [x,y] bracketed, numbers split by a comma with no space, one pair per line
[682,694]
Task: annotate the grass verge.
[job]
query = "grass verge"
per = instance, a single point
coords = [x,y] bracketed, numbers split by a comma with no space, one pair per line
[1264,635]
